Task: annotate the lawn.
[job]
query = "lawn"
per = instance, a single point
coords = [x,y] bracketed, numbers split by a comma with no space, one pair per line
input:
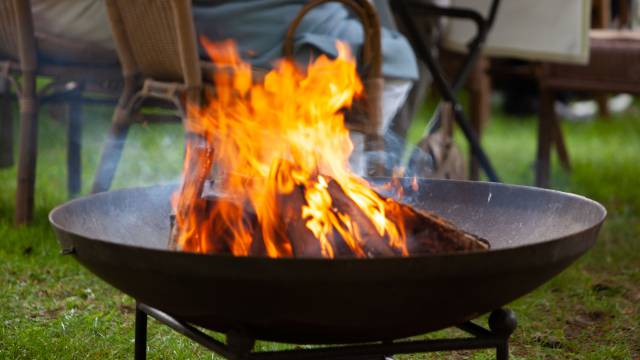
[52,308]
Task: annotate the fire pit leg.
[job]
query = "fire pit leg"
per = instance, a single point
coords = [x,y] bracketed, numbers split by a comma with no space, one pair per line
[503,322]
[240,345]
[141,334]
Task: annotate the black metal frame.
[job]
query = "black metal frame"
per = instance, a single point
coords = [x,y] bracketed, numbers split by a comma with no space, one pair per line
[502,323]
[404,8]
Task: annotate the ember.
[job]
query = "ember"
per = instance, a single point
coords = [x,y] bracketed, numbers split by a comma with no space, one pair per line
[280,150]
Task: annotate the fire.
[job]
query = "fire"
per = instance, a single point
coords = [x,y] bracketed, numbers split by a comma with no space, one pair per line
[269,141]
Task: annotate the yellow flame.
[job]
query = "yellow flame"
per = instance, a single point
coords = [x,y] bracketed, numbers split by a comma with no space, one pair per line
[269,139]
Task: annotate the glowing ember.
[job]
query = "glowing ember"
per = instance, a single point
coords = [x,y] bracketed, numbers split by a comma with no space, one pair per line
[281,152]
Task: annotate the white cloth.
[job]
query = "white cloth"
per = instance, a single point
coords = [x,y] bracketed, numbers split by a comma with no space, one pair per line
[395,92]
[552,30]
[77,20]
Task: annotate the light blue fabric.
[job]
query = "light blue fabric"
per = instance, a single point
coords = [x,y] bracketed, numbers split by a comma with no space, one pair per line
[259,26]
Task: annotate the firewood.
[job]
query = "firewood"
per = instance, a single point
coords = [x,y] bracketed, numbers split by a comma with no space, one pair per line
[209,222]
[197,167]
[428,233]
[373,243]
[303,242]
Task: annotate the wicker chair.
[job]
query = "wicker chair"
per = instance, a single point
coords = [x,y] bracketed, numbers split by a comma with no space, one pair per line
[20,56]
[156,43]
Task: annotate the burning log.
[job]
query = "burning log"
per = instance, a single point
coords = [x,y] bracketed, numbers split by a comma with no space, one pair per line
[353,234]
[303,242]
[373,243]
[188,202]
[428,233]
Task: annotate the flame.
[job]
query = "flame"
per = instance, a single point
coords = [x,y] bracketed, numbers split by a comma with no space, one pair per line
[269,140]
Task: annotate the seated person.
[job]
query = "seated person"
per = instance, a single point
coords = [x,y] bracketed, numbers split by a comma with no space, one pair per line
[259,28]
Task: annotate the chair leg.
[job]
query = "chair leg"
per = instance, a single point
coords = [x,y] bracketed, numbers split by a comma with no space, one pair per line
[474,170]
[603,108]
[6,125]
[112,151]
[74,144]
[561,148]
[114,144]
[480,104]
[545,137]
[28,150]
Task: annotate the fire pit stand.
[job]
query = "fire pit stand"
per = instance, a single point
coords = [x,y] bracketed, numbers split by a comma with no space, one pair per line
[502,323]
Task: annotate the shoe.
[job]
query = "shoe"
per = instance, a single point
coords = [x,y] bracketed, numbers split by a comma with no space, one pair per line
[576,111]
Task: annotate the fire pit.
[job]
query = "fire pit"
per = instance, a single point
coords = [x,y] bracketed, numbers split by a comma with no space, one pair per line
[121,236]
[294,246]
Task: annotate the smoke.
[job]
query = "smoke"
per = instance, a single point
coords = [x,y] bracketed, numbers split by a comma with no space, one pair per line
[400,158]
[152,154]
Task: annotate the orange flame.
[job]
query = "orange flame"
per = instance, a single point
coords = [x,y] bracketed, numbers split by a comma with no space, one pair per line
[270,139]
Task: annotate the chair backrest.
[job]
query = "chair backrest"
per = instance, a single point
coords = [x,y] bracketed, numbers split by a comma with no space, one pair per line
[157,39]
[17,40]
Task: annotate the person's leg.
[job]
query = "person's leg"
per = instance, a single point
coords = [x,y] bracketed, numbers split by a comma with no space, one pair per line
[395,93]
[401,124]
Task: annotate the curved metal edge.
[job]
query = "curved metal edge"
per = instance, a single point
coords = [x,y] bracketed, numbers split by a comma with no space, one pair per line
[593,227]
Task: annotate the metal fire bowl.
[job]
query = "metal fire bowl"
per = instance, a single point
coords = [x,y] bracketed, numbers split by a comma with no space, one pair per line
[121,236]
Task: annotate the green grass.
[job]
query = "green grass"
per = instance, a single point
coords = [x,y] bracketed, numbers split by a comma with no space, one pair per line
[52,308]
